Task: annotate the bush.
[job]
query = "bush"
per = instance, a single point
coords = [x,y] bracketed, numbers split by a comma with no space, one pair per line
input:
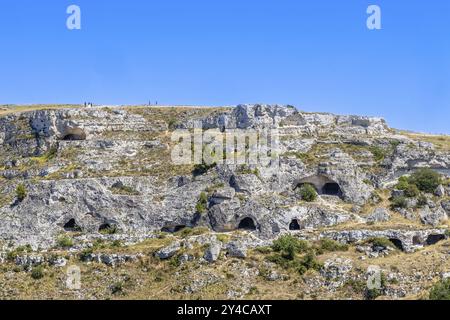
[12,255]
[308,193]
[202,203]
[441,291]
[21,192]
[426,180]
[402,184]
[411,191]
[37,273]
[399,202]
[65,242]
[422,201]
[289,245]
[381,242]
[378,153]
[328,245]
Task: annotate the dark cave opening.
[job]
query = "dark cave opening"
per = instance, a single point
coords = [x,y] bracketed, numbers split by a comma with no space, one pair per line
[72,226]
[434,238]
[294,225]
[247,224]
[397,243]
[332,189]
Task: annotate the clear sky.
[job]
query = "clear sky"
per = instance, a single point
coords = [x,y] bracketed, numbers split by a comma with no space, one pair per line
[317,55]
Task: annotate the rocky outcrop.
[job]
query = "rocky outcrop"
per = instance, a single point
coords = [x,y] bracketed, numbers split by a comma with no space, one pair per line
[108,169]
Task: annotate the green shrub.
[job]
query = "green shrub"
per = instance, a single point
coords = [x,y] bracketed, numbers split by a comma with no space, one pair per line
[441,290]
[399,202]
[65,242]
[309,261]
[422,201]
[412,191]
[84,255]
[380,242]
[109,229]
[289,245]
[328,245]
[37,273]
[21,192]
[427,180]
[117,288]
[308,193]
[11,255]
[202,204]
[378,153]
[402,185]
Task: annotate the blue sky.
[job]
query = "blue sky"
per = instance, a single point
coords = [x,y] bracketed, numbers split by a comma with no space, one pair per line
[317,55]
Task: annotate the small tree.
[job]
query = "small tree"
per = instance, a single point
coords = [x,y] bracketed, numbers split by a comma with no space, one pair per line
[289,245]
[21,192]
[426,180]
[308,193]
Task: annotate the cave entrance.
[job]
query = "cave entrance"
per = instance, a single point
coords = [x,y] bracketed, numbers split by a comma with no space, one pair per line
[73,137]
[332,189]
[107,228]
[74,134]
[247,224]
[294,225]
[72,226]
[173,229]
[322,184]
[434,238]
[397,243]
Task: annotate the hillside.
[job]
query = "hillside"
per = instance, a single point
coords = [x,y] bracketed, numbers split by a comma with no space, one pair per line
[97,188]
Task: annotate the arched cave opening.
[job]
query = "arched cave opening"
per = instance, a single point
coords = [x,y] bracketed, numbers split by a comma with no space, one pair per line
[434,238]
[72,134]
[332,189]
[397,243]
[72,226]
[294,225]
[247,224]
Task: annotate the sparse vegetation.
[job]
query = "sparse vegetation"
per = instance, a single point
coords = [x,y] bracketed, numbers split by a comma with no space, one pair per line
[122,189]
[288,246]
[37,272]
[398,202]
[202,204]
[308,193]
[441,290]
[380,242]
[64,242]
[328,245]
[21,192]
[426,180]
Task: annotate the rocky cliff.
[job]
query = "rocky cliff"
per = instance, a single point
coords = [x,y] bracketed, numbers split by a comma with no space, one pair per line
[106,172]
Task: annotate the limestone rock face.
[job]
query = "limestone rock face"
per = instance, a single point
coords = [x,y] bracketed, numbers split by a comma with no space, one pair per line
[109,169]
[433,217]
[379,215]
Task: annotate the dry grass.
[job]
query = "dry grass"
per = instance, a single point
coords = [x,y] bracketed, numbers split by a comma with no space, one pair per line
[10,109]
[441,142]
